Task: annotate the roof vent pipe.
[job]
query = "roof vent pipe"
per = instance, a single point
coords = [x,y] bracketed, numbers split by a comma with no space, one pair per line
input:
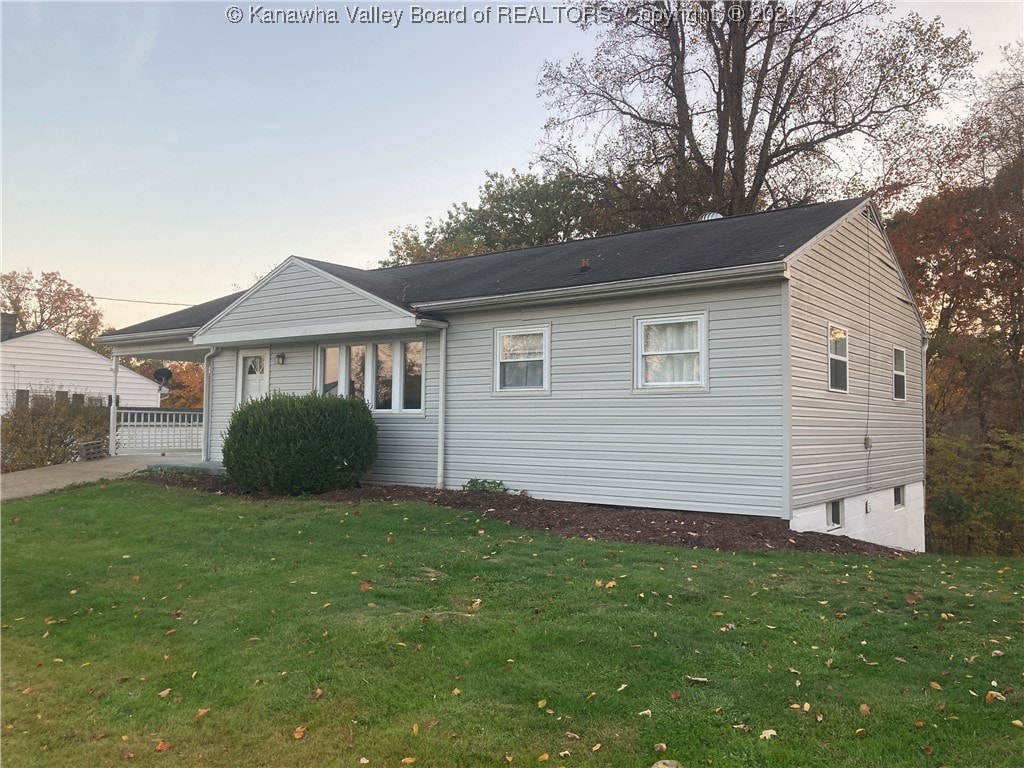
[709,216]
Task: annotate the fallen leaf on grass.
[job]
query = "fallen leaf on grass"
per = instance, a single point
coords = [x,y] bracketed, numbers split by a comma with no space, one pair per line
[860,733]
[163,746]
[542,703]
[300,732]
[935,685]
[364,761]
[126,755]
[768,733]
[994,696]
[456,692]
[365,586]
[1018,723]
[415,729]
[164,693]
[572,736]
[660,746]
[693,680]
[865,709]
[543,758]
[675,695]
[408,760]
[202,712]
[645,713]
[622,687]
[595,747]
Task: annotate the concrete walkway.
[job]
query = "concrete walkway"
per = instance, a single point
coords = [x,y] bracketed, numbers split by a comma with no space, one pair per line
[32,482]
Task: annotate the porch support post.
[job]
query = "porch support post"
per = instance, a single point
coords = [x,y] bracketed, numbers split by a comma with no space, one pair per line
[113,409]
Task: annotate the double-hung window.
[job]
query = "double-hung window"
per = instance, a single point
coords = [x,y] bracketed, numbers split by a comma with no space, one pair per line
[387,374]
[671,352]
[899,374]
[838,359]
[522,359]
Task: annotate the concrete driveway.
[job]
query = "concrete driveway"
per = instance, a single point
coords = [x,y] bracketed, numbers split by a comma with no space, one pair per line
[32,482]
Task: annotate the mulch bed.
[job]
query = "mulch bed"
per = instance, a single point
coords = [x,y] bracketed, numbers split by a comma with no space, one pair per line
[691,530]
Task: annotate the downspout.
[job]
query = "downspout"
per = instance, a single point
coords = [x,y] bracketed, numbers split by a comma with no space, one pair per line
[113,409]
[207,390]
[442,377]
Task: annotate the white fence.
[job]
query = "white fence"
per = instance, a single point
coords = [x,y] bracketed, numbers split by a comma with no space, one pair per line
[159,430]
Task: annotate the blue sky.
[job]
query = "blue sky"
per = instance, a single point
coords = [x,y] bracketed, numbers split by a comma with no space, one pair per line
[157,151]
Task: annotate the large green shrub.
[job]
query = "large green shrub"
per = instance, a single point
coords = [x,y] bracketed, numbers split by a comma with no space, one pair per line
[48,431]
[300,444]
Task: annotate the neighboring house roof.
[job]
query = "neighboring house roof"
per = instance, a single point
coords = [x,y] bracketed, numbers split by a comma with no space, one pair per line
[19,335]
[678,249]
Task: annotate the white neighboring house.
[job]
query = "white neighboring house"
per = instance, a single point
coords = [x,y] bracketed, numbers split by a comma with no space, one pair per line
[46,363]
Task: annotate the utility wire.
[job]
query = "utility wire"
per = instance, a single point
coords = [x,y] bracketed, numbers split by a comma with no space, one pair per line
[141,301]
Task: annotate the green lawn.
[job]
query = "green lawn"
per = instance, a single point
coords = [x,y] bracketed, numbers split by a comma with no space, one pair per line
[136,616]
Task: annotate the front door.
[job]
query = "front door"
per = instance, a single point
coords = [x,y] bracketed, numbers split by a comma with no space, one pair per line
[253,375]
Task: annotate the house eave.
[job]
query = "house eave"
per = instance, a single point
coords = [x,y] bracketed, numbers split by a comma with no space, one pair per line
[314,330]
[713,278]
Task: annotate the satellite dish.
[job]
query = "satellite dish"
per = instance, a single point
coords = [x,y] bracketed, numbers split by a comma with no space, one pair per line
[162,375]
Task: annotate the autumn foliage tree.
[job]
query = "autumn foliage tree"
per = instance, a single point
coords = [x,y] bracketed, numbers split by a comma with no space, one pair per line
[50,301]
[962,250]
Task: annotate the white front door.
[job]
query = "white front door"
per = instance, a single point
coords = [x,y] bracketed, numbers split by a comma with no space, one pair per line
[254,375]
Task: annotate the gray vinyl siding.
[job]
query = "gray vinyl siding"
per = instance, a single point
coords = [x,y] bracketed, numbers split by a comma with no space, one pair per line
[407,442]
[223,370]
[296,297]
[850,279]
[593,438]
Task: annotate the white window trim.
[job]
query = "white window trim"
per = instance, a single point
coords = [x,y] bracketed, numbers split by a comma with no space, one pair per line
[639,385]
[896,373]
[370,372]
[239,373]
[829,525]
[831,357]
[497,389]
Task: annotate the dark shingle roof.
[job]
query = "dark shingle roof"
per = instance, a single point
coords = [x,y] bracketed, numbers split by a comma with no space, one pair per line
[696,246]
[188,319]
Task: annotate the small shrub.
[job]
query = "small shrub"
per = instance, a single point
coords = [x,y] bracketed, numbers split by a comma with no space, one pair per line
[47,431]
[300,444]
[488,486]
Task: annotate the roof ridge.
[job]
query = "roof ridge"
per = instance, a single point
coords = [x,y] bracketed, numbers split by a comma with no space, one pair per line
[607,235]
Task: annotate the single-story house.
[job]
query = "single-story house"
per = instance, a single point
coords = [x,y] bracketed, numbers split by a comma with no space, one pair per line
[763,364]
[46,364]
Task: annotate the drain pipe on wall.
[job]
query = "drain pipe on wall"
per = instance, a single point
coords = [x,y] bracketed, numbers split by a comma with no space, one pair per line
[207,389]
[442,377]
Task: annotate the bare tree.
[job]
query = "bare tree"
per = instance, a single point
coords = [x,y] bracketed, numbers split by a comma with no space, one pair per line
[745,105]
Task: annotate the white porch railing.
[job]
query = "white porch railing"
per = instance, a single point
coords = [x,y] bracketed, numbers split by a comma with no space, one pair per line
[159,430]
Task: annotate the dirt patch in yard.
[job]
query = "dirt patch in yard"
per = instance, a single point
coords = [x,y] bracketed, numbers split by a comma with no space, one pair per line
[692,530]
